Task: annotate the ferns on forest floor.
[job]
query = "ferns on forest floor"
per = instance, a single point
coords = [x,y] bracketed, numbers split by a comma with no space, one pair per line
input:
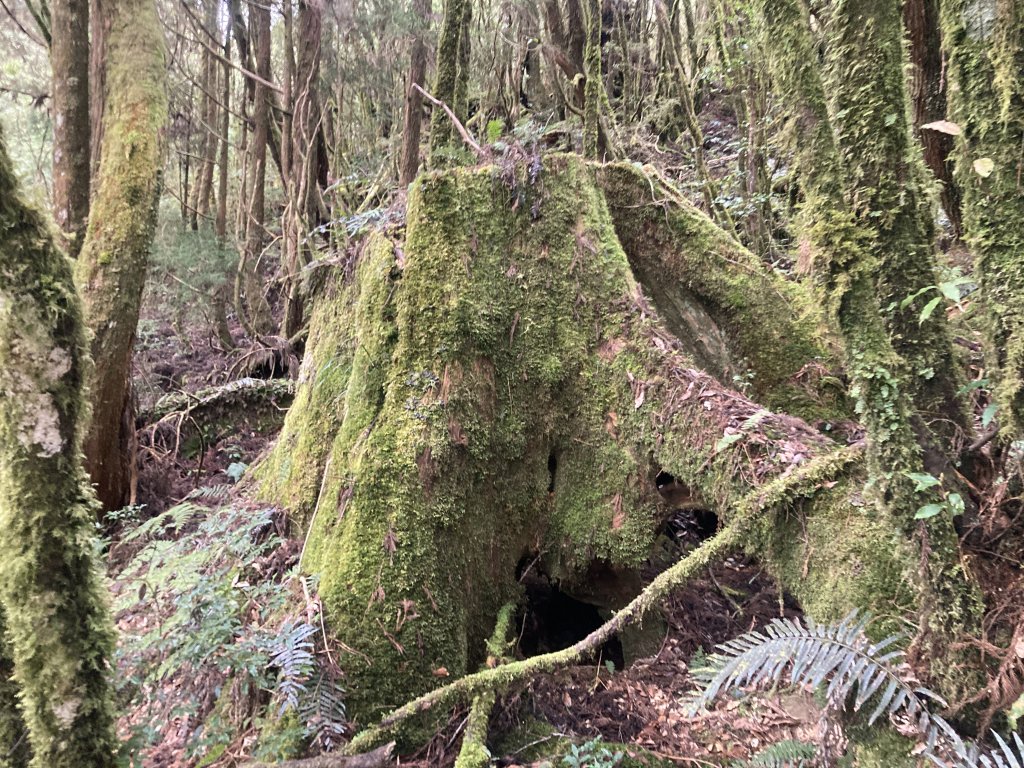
[207,640]
[852,671]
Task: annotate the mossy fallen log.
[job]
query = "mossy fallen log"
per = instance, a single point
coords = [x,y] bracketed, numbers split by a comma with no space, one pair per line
[497,386]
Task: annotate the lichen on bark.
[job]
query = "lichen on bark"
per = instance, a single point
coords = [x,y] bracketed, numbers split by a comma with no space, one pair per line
[57,620]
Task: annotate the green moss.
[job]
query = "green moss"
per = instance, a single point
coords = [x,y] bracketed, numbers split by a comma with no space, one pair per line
[986,99]
[878,746]
[111,269]
[58,625]
[886,188]
[718,299]
[512,394]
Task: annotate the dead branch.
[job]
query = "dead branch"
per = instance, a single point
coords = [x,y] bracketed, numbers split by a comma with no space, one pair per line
[378,758]
[455,121]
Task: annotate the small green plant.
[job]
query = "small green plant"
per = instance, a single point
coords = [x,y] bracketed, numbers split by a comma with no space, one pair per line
[952,502]
[788,753]
[952,289]
[591,754]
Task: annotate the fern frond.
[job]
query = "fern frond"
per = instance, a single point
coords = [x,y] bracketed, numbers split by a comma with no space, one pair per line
[169,522]
[295,661]
[809,655]
[852,665]
[789,753]
[324,713]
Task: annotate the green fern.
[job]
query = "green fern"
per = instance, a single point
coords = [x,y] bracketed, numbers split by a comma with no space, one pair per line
[295,661]
[842,656]
[808,655]
[789,753]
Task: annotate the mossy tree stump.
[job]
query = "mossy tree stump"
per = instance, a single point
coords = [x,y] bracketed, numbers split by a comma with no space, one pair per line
[498,385]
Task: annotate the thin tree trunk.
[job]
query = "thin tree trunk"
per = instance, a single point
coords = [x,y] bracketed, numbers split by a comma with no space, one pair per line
[250,300]
[69,62]
[410,162]
[928,97]
[446,85]
[112,265]
[53,597]
[221,221]
[99,27]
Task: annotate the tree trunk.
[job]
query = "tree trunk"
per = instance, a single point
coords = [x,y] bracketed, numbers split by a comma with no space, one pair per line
[99,28]
[112,266]
[305,161]
[449,75]
[250,301]
[839,244]
[220,299]
[928,98]
[507,390]
[410,162]
[986,53]
[69,62]
[53,597]
[884,173]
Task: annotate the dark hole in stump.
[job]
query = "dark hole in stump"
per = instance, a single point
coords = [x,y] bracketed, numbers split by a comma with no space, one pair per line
[688,521]
[553,620]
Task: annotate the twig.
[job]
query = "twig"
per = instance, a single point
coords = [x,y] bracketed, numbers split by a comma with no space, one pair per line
[455,121]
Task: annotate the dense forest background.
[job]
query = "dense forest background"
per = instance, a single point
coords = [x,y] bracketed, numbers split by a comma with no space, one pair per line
[448,380]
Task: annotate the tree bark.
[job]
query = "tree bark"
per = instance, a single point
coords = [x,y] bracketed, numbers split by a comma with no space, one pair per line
[883,179]
[987,101]
[928,98]
[111,269]
[69,62]
[53,596]
[409,164]
[305,161]
[250,301]
[450,74]
[839,245]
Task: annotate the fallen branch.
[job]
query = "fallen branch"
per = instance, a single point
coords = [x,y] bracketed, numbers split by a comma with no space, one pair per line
[378,758]
[455,121]
[801,481]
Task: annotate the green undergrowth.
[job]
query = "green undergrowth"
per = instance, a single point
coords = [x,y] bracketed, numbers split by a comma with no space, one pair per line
[219,637]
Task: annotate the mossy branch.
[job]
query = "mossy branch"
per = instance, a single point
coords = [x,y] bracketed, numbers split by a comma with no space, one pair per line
[474,753]
[503,677]
[378,758]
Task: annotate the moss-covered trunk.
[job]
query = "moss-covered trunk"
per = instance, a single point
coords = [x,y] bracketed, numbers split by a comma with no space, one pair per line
[499,386]
[69,63]
[112,266]
[54,606]
[884,180]
[985,41]
[840,244]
